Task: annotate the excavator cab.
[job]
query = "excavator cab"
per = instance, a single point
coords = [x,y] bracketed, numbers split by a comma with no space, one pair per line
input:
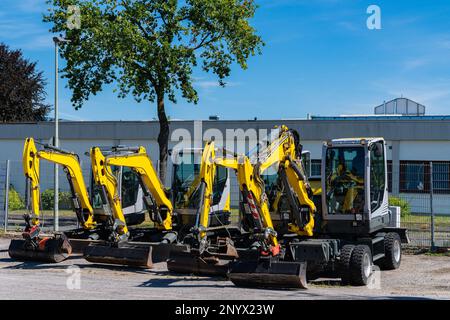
[186,194]
[130,194]
[355,185]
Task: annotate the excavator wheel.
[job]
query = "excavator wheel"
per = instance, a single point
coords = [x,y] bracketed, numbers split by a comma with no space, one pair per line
[268,273]
[50,250]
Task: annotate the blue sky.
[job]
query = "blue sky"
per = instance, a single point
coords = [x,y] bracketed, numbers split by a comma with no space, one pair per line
[319,58]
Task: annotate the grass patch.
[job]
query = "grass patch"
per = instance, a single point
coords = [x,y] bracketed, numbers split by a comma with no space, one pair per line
[439,221]
[45,213]
[438,254]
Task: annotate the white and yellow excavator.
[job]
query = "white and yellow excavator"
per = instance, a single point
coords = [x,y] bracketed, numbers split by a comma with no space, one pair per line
[58,247]
[350,233]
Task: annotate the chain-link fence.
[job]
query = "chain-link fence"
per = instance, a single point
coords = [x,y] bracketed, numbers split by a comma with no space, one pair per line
[14,202]
[422,190]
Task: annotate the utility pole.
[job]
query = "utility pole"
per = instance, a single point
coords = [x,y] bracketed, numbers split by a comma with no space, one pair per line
[57,41]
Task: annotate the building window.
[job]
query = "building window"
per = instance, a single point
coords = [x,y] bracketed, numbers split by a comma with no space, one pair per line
[316,166]
[441,176]
[414,176]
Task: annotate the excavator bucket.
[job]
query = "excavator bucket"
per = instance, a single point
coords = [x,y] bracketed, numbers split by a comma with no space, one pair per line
[128,255]
[212,262]
[51,250]
[268,273]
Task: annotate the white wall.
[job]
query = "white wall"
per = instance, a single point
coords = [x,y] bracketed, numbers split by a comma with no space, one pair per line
[425,150]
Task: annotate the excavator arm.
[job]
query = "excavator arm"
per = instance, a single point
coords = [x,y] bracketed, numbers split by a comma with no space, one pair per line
[155,196]
[268,268]
[71,164]
[104,177]
[206,181]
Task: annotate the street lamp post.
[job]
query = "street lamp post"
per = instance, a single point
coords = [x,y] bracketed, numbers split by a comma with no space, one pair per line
[57,41]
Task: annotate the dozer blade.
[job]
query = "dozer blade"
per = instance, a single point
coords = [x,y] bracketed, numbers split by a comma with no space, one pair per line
[162,251]
[125,255]
[189,262]
[266,273]
[79,245]
[212,262]
[51,250]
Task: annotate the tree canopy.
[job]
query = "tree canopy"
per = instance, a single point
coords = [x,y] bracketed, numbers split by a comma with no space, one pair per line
[151,48]
[22,88]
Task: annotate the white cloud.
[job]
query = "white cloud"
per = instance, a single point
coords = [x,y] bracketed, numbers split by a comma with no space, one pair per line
[70,116]
[31,6]
[415,63]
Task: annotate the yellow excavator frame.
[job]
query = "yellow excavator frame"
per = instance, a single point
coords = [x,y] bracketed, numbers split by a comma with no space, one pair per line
[281,151]
[31,166]
[104,177]
[140,163]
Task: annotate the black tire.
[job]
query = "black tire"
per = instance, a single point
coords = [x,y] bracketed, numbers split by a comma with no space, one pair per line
[361,265]
[344,263]
[393,252]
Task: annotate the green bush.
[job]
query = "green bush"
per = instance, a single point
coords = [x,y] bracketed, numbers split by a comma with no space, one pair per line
[47,199]
[403,204]
[15,202]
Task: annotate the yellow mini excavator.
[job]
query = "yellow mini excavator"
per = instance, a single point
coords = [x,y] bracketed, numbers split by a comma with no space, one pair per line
[116,250]
[208,253]
[121,249]
[265,263]
[57,248]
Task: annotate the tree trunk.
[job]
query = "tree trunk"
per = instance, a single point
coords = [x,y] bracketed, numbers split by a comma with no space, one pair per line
[163,138]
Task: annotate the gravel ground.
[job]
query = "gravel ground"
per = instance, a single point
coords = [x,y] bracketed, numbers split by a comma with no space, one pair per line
[420,276]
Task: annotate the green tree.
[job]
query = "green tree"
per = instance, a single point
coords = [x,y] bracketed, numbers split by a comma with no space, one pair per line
[150,48]
[22,88]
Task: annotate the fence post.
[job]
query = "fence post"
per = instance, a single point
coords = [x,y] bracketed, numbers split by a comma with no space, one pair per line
[6,196]
[431,206]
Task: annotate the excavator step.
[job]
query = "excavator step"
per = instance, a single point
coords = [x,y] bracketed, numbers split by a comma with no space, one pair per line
[265,273]
[51,250]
